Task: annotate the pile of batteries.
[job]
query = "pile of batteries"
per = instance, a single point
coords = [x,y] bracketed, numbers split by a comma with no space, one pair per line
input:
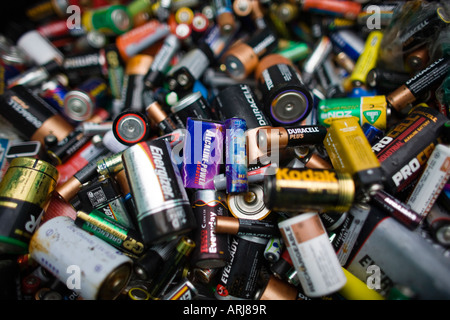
[220,150]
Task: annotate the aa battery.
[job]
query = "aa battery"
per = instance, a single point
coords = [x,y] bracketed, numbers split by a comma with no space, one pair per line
[161,63]
[246,227]
[367,60]
[236,155]
[313,256]
[131,127]
[238,280]
[35,75]
[193,105]
[32,116]
[183,291]
[203,153]
[438,221]
[405,148]
[148,265]
[386,80]
[348,42]
[156,113]
[289,137]
[372,110]
[350,152]
[25,192]
[250,204]
[319,54]
[108,166]
[38,48]
[59,245]
[419,84]
[432,181]
[272,253]
[211,250]
[242,58]
[163,209]
[345,9]
[107,229]
[224,16]
[85,65]
[81,103]
[53,91]
[286,100]
[319,189]
[111,19]
[397,209]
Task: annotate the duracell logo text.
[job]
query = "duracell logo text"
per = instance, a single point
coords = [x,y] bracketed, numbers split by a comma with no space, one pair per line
[302,130]
[419,74]
[246,90]
[20,107]
[312,175]
[161,172]
[264,44]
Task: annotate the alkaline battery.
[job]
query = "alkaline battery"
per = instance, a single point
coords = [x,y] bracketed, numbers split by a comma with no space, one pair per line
[192,65]
[246,227]
[162,204]
[286,100]
[419,84]
[438,222]
[131,127]
[367,60]
[53,91]
[148,265]
[35,75]
[276,289]
[349,42]
[272,253]
[386,80]
[38,48]
[202,153]
[80,104]
[248,205]
[132,85]
[242,58]
[161,63]
[84,65]
[350,152]
[211,250]
[108,166]
[239,277]
[112,19]
[59,245]
[432,180]
[406,147]
[103,195]
[182,291]
[397,209]
[236,155]
[369,109]
[322,49]
[32,116]
[156,113]
[109,230]
[193,105]
[161,282]
[25,192]
[345,9]
[224,16]
[319,189]
[329,78]
[313,256]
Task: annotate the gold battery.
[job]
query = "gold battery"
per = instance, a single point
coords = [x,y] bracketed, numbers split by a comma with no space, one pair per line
[110,165]
[368,58]
[350,151]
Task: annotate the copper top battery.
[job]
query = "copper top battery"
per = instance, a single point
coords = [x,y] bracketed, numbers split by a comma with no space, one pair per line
[32,116]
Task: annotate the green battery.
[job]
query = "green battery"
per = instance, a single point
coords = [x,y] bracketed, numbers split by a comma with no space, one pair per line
[110,231]
[113,19]
[371,109]
[295,51]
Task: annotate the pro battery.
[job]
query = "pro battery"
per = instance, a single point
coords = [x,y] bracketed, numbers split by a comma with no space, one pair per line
[25,192]
[406,147]
[163,208]
[372,110]
[350,152]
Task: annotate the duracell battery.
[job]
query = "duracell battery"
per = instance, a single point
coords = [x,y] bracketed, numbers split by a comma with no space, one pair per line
[311,158]
[156,113]
[385,79]
[246,227]
[288,137]
[419,84]
[31,116]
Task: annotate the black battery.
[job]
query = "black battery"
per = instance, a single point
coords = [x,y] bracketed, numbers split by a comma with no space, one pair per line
[193,105]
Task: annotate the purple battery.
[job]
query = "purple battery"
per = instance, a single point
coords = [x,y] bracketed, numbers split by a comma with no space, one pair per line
[202,153]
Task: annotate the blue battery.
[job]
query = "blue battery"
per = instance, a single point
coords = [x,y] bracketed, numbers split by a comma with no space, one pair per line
[236,155]
[372,133]
[348,42]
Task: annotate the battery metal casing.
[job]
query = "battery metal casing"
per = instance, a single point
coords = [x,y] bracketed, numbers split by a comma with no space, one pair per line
[236,155]
[162,204]
[405,148]
[65,249]
[25,192]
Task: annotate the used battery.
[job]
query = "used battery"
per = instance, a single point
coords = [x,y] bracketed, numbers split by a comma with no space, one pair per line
[236,155]
[193,105]
[250,204]
[246,227]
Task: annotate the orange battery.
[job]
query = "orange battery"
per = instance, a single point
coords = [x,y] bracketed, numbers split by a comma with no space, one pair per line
[346,9]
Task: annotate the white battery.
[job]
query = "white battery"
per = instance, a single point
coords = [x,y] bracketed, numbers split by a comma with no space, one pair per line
[432,181]
[313,256]
[38,48]
[86,264]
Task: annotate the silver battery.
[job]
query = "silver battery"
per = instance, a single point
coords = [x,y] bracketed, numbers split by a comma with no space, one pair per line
[249,205]
[86,264]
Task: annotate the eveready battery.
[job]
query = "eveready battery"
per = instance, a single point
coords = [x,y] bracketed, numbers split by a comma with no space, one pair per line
[405,148]
[163,209]
[350,151]
[202,153]
[372,110]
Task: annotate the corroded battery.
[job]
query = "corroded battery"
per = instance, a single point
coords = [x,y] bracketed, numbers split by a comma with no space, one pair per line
[67,250]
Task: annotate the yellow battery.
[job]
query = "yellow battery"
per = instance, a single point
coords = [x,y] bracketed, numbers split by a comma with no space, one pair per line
[350,151]
[368,58]
[184,15]
[355,289]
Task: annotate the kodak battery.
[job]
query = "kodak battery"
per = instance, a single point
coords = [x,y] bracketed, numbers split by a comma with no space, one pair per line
[406,147]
